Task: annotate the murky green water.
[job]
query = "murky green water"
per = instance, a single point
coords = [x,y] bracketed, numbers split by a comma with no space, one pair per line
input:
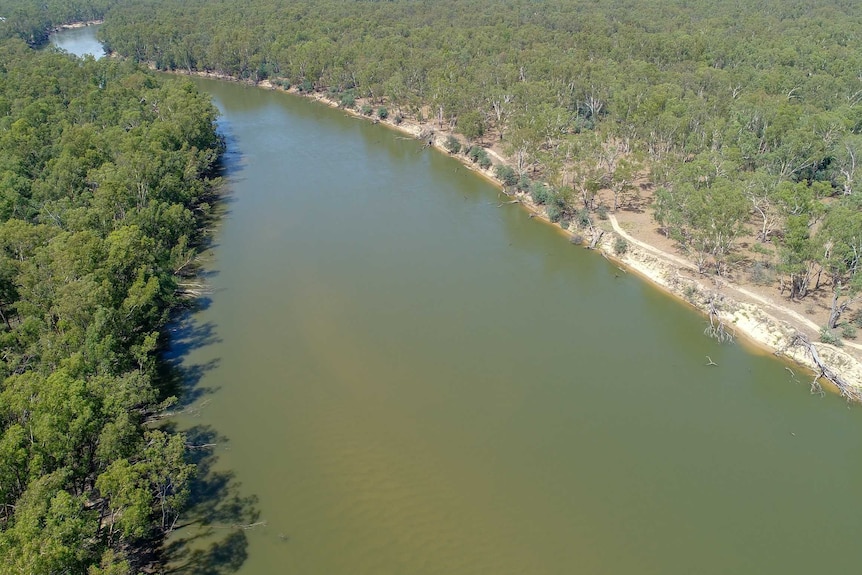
[413,380]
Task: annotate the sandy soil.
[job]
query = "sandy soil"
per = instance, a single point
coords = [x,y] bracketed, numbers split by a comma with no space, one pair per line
[74,25]
[755,314]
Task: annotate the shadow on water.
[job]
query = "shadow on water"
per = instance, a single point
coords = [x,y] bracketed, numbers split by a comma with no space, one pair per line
[177,376]
[213,539]
[213,536]
[188,333]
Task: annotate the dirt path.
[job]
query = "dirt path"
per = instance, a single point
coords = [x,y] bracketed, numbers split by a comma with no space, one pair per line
[748,295]
[763,321]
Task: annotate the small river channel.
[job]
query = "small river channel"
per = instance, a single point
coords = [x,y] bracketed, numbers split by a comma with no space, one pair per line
[407,378]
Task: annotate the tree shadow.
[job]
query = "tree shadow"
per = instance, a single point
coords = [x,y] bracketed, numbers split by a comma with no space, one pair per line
[213,540]
[177,378]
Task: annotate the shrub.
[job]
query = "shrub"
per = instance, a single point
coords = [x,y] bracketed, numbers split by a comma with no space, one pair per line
[557,199]
[602,212]
[506,175]
[827,336]
[554,213]
[452,144]
[366,110]
[848,331]
[382,113]
[583,218]
[348,100]
[620,246]
[690,293]
[479,155]
[565,223]
[540,193]
[306,86]
[761,274]
[398,119]
[524,183]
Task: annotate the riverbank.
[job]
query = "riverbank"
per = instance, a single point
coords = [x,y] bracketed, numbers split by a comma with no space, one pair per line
[733,311]
[76,25]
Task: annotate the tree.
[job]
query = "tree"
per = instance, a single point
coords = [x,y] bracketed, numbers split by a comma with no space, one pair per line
[714,218]
[798,255]
[841,238]
[471,124]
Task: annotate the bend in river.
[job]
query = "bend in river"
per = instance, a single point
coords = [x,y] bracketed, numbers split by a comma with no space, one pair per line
[79,41]
[410,379]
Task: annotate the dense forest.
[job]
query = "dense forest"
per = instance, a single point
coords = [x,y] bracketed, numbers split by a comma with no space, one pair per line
[33,21]
[731,118]
[104,187]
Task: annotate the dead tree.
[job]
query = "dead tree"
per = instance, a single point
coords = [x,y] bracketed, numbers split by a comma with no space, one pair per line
[845,388]
[716,328]
[597,236]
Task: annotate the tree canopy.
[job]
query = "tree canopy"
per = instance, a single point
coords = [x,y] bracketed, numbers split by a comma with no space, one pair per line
[724,111]
[103,185]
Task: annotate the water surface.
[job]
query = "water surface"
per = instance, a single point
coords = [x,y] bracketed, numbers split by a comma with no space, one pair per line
[79,41]
[410,379]
[414,380]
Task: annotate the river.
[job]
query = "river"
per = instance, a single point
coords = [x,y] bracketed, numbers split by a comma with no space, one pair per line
[403,377]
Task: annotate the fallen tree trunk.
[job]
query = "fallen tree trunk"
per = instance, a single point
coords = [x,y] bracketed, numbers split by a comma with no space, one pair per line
[597,236]
[846,389]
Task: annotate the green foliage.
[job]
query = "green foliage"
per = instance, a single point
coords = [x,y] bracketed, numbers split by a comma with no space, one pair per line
[347,100]
[705,211]
[506,175]
[452,144]
[471,125]
[761,273]
[478,155]
[827,336]
[583,219]
[382,113]
[841,238]
[366,110]
[554,213]
[621,246]
[32,21]
[594,94]
[103,186]
[848,331]
[540,193]
[578,81]
[602,212]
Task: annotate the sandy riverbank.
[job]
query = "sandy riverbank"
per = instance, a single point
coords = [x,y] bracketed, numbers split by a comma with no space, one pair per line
[749,317]
[75,25]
